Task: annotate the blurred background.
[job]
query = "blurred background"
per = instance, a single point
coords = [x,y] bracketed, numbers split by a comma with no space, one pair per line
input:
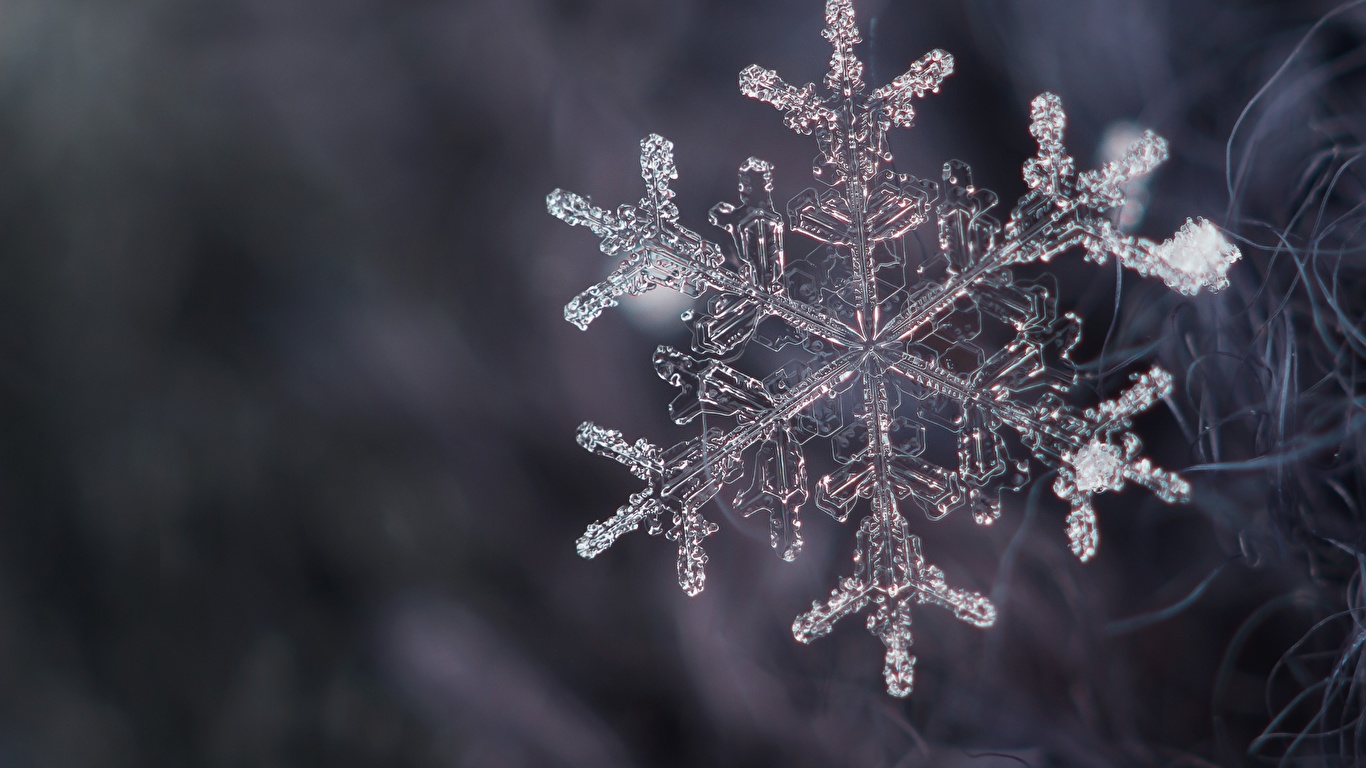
[287,402]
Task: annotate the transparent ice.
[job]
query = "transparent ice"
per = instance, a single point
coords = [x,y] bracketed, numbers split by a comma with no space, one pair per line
[932,371]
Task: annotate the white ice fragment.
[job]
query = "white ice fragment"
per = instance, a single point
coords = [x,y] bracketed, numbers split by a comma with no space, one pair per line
[1099,466]
[1197,256]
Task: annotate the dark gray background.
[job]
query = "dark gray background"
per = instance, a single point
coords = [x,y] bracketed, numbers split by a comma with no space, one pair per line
[287,404]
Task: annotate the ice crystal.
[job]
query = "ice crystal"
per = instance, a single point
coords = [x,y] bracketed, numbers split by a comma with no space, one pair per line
[934,373]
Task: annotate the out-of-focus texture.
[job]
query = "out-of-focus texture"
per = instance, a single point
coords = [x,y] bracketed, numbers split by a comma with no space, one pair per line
[288,473]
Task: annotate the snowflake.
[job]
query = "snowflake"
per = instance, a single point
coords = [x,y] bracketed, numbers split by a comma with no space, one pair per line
[928,369]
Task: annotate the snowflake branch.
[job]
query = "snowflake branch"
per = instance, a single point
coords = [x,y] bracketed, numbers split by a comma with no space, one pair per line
[846,71]
[924,76]
[819,384]
[661,252]
[803,111]
[890,570]
[1081,448]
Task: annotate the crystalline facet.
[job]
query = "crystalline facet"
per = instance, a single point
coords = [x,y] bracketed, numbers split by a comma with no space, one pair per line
[914,364]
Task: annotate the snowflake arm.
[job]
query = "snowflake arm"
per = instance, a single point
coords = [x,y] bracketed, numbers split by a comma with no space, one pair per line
[1050,171]
[803,109]
[683,503]
[1104,188]
[685,477]
[924,76]
[642,459]
[891,572]
[846,71]
[779,486]
[1091,451]
[1061,212]
[1065,208]
[661,252]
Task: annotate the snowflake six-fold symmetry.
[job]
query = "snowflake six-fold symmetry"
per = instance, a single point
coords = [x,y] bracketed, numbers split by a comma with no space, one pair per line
[929,370]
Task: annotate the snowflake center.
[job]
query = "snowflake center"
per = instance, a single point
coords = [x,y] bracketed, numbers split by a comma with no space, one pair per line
[882,354]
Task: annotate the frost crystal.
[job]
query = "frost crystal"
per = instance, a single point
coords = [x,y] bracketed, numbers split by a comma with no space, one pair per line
[1196,256]
[933,372]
